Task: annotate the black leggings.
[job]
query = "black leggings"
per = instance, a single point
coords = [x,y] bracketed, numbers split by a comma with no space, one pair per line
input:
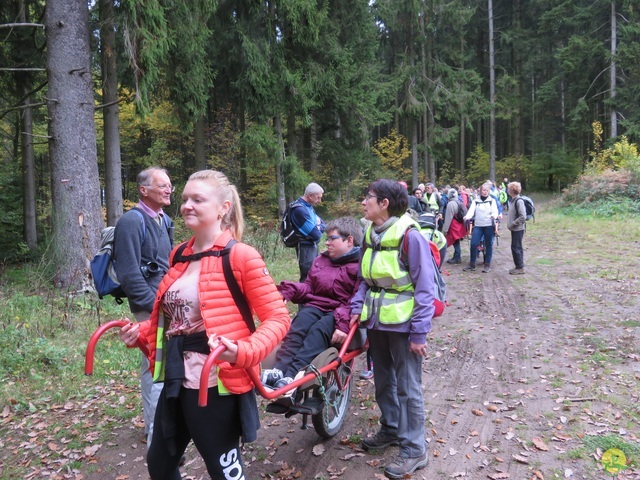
[214,429]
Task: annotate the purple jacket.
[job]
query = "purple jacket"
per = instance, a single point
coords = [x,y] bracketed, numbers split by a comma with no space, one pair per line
[329,286]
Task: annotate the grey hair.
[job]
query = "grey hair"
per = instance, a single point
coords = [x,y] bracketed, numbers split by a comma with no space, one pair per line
[144,177]
[313,188]
[347,227]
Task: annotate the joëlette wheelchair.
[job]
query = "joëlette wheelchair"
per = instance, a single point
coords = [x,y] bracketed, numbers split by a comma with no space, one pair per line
[322,390]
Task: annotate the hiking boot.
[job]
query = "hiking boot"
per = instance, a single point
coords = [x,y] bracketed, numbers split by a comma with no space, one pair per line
[379,441]
[403,466]
[516,271]
[454,261]
[487,268]
[270,376]
[470,268]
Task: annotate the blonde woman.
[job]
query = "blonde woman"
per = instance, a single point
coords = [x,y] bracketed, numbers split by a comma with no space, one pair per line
[194,313]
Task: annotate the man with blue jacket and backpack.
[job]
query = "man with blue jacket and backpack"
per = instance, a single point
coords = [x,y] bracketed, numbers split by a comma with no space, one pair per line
[310,227]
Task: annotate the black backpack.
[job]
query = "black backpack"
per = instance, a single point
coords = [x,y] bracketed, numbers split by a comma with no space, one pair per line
[462,211]
[529,207]
[288,232]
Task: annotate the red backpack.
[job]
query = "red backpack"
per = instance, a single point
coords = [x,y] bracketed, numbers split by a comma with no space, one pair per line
[439,301]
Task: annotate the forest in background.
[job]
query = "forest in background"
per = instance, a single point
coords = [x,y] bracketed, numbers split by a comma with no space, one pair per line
[280,93]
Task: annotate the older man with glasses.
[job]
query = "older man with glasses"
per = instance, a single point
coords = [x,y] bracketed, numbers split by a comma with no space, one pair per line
[143,240]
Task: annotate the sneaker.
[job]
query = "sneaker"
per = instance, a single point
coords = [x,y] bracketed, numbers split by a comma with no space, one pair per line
[283,382]
[379,441]
[270,376]
[486,269]
[516,271]
[469,268]
[454,261]
[403,466]
[366,374]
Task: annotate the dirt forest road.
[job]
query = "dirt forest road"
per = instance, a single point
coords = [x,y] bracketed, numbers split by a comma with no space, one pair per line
[528,377]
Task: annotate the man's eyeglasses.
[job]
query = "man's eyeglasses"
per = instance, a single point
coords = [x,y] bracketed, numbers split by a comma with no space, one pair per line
[334,237]
[368,196]
[166,187]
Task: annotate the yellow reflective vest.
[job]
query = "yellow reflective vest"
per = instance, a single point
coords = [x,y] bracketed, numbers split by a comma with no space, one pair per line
[390,294]
[432,200]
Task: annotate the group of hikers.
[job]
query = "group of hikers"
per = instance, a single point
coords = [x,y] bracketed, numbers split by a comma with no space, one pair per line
[477,214]
[377,272]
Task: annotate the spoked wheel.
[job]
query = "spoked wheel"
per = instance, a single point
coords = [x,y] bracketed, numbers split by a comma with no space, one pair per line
[328,422]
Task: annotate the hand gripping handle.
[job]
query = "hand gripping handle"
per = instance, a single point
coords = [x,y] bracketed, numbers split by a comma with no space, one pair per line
[203,394]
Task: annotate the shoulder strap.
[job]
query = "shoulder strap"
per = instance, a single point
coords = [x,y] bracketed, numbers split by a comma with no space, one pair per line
[234,288]
[404,250]
[144,226]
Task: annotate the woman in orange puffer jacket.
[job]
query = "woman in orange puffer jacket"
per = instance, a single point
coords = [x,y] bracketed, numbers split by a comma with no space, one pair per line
[193,314]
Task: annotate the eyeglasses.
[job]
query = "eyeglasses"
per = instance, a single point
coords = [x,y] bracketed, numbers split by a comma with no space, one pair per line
[334,237]
[368,196]
[166,187]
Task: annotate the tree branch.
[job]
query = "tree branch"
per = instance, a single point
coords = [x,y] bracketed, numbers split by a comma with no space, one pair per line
[13,25]
[5,69]
[105,105]
[20,107]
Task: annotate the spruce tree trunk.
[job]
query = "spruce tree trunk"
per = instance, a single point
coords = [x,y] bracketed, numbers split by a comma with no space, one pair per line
[492,98]
[76,213]
[612,72]
[279,161]
[28,176]
[313,133]
[414,153]
[112,159]
[199,141]
[30,230]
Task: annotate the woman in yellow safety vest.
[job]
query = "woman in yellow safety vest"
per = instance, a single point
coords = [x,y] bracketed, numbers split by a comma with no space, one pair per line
[395,303]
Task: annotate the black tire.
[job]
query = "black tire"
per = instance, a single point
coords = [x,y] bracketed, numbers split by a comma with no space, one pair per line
[329,421]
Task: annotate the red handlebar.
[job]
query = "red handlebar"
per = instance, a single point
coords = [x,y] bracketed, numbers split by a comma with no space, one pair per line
[89,355]
[203,394]
[343,356]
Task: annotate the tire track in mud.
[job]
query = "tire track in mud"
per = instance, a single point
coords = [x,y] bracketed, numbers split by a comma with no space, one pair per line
[496,351]
[486,364]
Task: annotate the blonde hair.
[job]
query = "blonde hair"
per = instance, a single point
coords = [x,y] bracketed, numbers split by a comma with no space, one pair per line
[515,186]
[225,191]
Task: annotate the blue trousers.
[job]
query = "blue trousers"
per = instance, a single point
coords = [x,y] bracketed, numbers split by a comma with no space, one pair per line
[476,237]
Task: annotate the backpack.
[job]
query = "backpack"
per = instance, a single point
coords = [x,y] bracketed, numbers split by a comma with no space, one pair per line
[444,201]
[462,211]
[102,268]
[529,207]
[288,232]
[439,301]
